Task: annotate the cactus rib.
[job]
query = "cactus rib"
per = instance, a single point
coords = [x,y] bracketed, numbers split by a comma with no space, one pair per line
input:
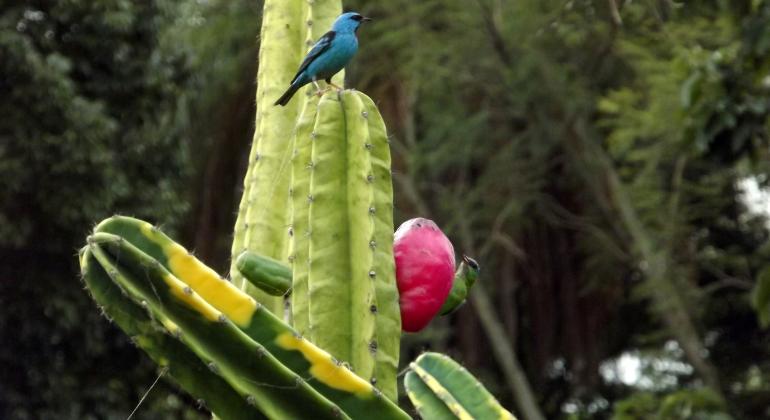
[387,312]
[302,165]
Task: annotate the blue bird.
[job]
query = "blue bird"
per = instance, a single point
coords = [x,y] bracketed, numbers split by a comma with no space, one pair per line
[328,56]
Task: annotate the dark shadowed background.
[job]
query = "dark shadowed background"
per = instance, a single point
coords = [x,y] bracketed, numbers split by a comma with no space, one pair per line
[606,162]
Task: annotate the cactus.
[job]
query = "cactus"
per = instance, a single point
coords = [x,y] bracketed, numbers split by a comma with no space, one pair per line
[345,298]
[288,26]
[316,223]
[442,389]
[132,248]
[261,379]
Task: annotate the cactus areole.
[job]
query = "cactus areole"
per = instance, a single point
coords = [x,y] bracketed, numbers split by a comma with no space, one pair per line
[424,270]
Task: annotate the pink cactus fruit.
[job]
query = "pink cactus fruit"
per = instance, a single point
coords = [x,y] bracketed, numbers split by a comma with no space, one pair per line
[425,261]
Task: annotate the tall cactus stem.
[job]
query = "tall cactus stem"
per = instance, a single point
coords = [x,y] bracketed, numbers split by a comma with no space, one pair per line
[345,297]
[262,217]
[340,289]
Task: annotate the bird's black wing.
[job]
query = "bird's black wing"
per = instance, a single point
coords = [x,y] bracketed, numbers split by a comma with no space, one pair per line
[322,45]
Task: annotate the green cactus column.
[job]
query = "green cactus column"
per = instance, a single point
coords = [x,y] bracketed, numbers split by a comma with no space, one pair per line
[289,27]
[321,15]
[345,298]
[261,223]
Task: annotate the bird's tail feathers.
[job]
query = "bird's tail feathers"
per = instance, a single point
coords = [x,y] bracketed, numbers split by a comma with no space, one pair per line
[286,97]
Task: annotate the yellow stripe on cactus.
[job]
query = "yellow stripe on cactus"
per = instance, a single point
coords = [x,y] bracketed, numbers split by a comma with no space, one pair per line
[323,368]
[188,296]
[222,295]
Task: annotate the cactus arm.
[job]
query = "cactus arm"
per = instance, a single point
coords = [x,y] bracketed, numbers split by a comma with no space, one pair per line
[273,388]
[182,364]
[387,312]
[262,220]
[300,230]
[428,405]
[460,392]
[352,394]
[340,275]
[265,273]
[438,389]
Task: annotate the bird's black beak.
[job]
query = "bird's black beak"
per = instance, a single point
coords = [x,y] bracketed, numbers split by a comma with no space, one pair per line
[470,262]
[366,19]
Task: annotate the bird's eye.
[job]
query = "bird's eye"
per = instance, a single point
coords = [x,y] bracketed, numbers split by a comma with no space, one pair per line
[357,17]
[471,262]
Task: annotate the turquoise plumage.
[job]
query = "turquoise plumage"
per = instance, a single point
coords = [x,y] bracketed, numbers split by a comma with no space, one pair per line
[328,56]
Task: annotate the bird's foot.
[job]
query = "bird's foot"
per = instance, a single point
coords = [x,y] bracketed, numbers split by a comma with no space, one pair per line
[335,86]
[320,92]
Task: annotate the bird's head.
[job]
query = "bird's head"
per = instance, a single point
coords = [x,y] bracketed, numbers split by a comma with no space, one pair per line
[471,270]
[349,22]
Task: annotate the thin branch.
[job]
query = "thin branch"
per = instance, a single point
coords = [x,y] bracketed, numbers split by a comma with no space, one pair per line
[728,282]
[615,13]
[410,190]
[498,41]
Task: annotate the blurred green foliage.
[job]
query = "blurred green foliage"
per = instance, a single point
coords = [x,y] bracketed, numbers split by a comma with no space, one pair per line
[510,122]
[91,123]
[685,404]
